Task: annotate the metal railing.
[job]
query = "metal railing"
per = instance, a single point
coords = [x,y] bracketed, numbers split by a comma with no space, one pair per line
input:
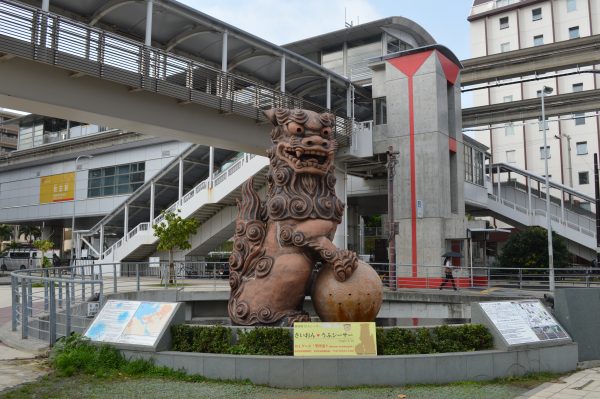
[53,302]
[49,303]
[49,38]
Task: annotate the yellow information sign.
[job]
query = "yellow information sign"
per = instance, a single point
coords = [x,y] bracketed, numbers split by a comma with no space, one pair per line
[334,339]
[57,188]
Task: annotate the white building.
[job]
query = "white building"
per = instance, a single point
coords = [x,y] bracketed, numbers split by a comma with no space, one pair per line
[505,25]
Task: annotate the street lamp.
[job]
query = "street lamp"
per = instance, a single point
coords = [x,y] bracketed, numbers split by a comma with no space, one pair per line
[74,199]
[548,90]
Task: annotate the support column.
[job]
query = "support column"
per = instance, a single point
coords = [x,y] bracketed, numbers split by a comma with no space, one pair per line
[180,178]
[282,75]
[224,53]
[211,165]
[46,5]
[152,201]
[101,245]
[328,106]
[126,221]
[149,6]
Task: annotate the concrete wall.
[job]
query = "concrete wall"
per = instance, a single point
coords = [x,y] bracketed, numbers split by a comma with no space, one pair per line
[20,189]
[294,372]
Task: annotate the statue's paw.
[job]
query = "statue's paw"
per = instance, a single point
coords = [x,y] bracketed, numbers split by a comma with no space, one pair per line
[345,264]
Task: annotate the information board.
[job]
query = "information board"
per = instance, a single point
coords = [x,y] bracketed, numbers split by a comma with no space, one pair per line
[57,188]
[131,322]
[334,339]
[521,322]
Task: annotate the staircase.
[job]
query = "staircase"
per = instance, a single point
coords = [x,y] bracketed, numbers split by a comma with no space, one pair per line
[202,202]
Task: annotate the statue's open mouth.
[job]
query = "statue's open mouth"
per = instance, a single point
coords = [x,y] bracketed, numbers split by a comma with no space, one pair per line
[302,157]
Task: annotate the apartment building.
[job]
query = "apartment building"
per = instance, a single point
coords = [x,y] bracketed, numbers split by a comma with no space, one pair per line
[499,26]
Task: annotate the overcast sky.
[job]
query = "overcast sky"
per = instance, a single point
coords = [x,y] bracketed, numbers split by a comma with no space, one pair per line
[285,21]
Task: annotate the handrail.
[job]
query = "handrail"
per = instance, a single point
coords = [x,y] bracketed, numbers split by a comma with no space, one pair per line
[202,186]
[63,42]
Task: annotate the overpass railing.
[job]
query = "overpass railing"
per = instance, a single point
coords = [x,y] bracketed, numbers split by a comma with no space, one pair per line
[31,33]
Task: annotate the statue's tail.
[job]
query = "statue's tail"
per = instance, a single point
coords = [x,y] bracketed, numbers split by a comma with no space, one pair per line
[250,232]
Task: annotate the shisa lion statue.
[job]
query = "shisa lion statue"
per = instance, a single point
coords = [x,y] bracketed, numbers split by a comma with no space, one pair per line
[279,242]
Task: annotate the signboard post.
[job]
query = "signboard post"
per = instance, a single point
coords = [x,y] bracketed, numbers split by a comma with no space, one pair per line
[334,339]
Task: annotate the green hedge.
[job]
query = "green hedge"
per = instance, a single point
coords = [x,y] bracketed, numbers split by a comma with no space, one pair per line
[463,338]
[279,342]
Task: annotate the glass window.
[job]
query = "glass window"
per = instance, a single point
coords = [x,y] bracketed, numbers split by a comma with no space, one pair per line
[571,5]
[538,40]
[577,87]
[584,177]
[394,45]
[504,47]
[502,3]
[579,119]
[104,181]
[509,130]
[545,154]
[510,156]
[536,14]
[380,107]
[507,99]
[468,163]
[574,32]
[503,22]
[582,148]
[478,168]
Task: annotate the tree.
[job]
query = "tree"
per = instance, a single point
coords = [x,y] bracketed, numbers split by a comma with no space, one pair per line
[30,232]
[6,232]
[529,249]
[174,232]
[44,246]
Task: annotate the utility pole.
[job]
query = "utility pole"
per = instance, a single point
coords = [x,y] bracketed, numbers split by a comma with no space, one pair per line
[391,168]
[597,191]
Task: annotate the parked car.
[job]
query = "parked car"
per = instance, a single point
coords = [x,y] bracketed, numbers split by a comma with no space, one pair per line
[22,258]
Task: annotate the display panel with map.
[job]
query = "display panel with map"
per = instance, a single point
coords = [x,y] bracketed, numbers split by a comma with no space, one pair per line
[522,322]
[131,322]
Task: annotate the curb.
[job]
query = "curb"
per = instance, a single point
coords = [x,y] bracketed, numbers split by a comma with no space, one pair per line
[30,345]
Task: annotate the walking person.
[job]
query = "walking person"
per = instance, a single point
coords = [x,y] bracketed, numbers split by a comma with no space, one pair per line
[448,273]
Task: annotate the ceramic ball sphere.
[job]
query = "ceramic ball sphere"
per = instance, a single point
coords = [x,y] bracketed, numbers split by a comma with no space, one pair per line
[358,298]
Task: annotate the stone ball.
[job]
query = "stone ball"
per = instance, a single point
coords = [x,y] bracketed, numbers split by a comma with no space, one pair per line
[356,299]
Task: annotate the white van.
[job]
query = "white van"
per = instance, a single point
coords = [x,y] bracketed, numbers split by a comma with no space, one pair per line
[22,258]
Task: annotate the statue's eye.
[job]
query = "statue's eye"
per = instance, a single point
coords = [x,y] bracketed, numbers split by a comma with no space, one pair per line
[295,128]
[326,132]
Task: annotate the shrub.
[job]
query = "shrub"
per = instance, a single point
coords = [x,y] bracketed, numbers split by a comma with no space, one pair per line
[464,338]
[264,341]
[272,341]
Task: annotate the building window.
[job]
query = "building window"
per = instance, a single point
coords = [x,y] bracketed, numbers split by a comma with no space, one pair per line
[509,129]
[584,178]
[380,106]
[503,22]
[468,164]
[571,5]
[538,40]
[574,32]
[577,87]
[507,99]
[582,148]
[510,156]
[579,119]
[504,47]
[115,180]
[545,154]
[502,3]
[536,14]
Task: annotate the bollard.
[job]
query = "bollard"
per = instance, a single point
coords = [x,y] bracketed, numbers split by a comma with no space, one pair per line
[52,321]
[68,310]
